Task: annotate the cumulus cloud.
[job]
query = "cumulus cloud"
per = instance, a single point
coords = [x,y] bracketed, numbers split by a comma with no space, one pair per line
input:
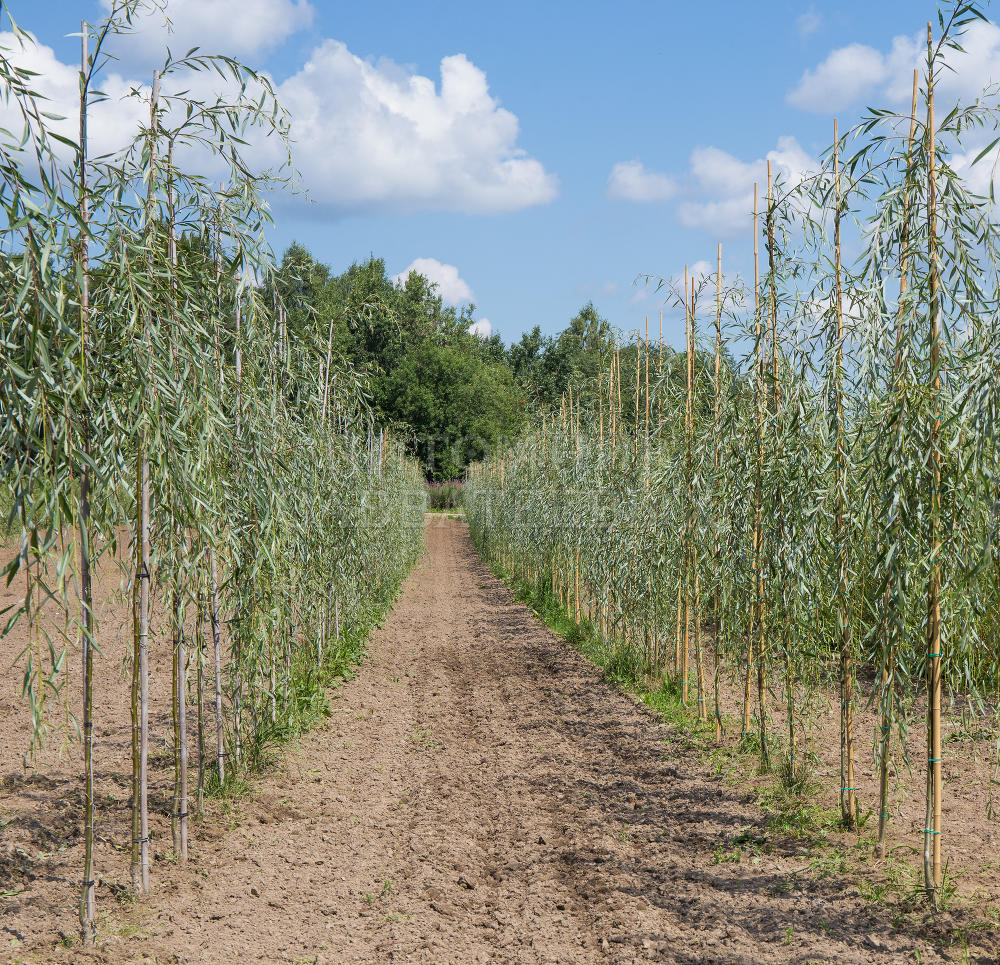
[697,272]
[112,123]
[240,28]
[848,74]
[377,136]
[366,136]
[978,177]
[696,276]
[483,328]
[855,72]
[115,119]
[451,286]
[632,181]
[725,183]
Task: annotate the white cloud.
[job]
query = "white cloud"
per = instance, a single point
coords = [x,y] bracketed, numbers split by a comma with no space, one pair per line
[696,275]
[631,181]
[451,286]
[848,74]
[725,184]
[112,123]
[856,72]
[809,22]
[977,178]
[366,136]
[699,271]
[483,328]
[115,119]
[377,136]
[239,28]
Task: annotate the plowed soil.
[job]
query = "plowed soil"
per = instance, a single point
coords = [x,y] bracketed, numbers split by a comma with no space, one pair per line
[480,794]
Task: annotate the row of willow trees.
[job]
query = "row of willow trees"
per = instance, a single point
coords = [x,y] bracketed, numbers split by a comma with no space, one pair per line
[154,411]
[807,496]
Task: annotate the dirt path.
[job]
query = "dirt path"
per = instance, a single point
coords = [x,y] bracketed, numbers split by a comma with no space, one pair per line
[481,795]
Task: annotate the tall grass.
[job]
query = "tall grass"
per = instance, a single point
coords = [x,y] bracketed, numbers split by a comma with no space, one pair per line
[445,496]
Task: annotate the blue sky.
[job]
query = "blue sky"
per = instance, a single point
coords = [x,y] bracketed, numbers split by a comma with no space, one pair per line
[512,187]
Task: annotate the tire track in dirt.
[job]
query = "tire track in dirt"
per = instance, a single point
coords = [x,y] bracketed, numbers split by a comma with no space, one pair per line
[480,794]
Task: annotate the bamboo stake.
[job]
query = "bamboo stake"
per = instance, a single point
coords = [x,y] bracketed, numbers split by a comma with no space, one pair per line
[755,622]
[717,608]
[932,832]
[87,923]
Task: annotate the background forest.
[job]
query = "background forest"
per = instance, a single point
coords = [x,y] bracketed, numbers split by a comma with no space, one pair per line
[450,394]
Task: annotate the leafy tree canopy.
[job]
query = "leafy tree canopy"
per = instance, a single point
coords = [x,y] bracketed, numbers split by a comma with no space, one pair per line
[451,394]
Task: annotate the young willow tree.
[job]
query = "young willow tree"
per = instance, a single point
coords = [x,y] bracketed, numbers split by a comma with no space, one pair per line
[816,486]
[149,387]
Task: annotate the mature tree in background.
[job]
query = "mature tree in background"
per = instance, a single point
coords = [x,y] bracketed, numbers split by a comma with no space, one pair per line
[450,393]
[385,329]
[545,366]
[457,404]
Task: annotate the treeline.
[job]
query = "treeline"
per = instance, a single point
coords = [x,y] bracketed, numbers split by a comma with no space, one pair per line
[453,396]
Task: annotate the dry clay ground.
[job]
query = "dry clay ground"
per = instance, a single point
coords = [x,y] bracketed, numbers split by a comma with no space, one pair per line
[481,795]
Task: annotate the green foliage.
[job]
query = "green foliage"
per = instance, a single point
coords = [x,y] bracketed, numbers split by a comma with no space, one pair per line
[452,396]
[148,358]
[459,407]
[547,366]
[838,474]
[446,392]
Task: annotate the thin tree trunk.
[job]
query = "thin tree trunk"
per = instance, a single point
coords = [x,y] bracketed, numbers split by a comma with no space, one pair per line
[220,737]
[888,667]
[848,804]
[783,622]
[182,745]
[200,656]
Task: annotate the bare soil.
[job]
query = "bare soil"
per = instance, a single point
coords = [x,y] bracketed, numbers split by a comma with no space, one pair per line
[479,794]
